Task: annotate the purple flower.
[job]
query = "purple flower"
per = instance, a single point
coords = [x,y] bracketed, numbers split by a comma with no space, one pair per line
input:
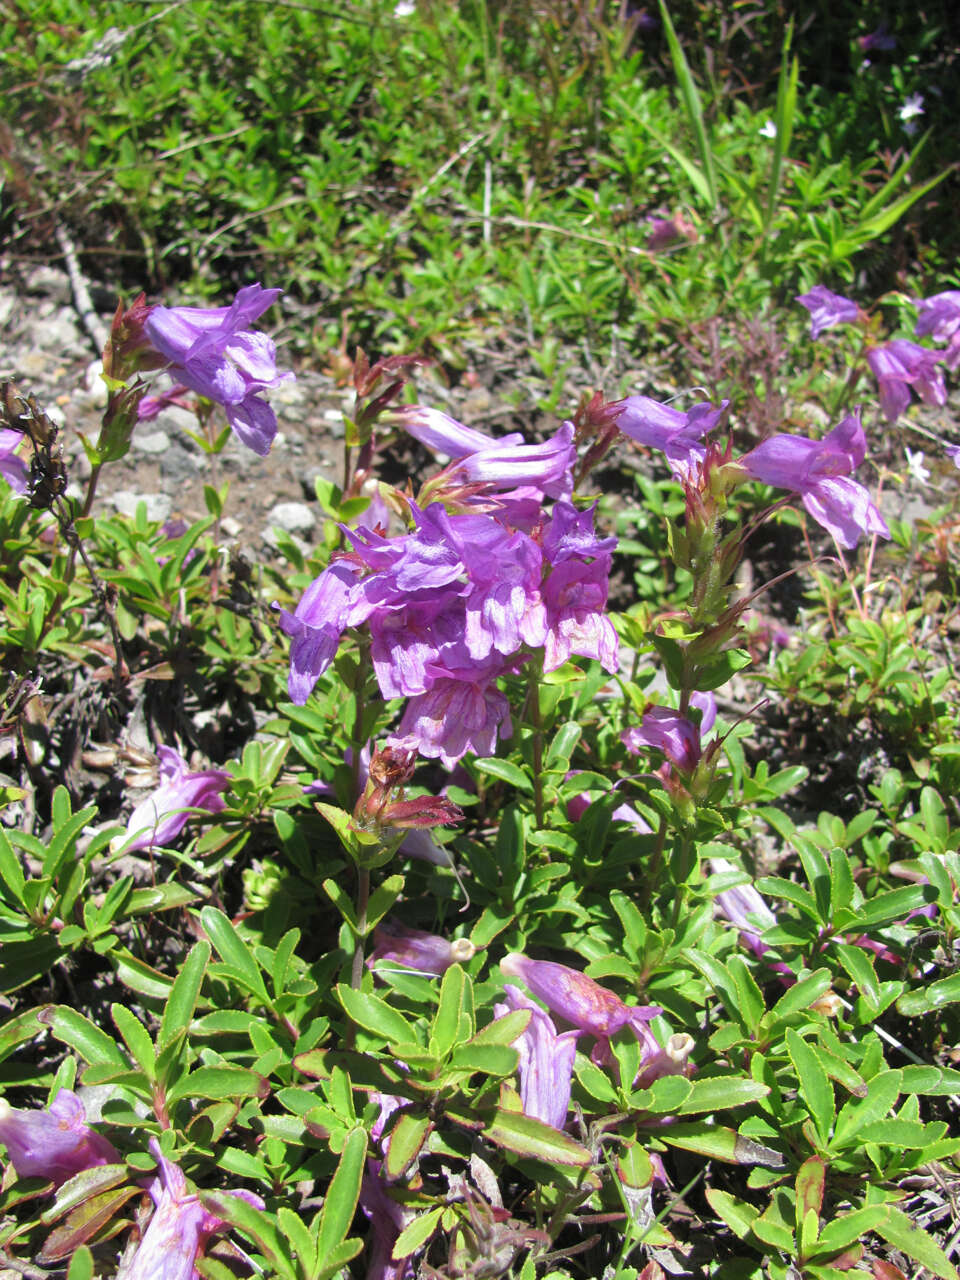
[940,319]
[665,232]
[827,309]
[546,1061]
[899,365]
[677,434]
[570,534]
[178,1230]
[461,711]
[673,734]
[743,906]
[819,471]
[162,815]
[211,351]
[387,1220]
[953,453]
[571,994]
[12,468]
[315,628]
[879,41]
[415,949]
[55,1143]
[443,434]
[574,599]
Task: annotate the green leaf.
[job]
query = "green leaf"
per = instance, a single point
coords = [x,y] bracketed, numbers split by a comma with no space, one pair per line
[528,1137]
[255,1224]
[375,1015]
[897,1229]
[21,1028]
[341,1199]
[92,1044]
[234,951]
[417,1233]
[882,1094]
[506,1029]
[859,965]
[137,1039]
[491,1059]
[506,771]
[719,1093]
[815,1088]
[691,102]
[801,995]
[927,999]
[217,1082]
[184,994]
[81,1264]
[447,1021]
[295,1231]
[846,1230]
[406,1139]
[737,1214]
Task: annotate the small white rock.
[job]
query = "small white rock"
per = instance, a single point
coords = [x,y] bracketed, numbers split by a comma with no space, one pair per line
[292,517]
[126,502]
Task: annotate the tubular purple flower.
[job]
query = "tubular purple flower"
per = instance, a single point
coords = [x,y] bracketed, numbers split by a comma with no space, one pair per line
[178,1230]
[574,996]
[899,365]
[574,599]
[162,815]
[939,319]
[546,1061]
[462,711]
[665,232]
[212,352]
[56,1143]
[570,534]
[415,949]
[387,1219]
[548,466]
[877,41]
[443,434]
[12,468]
[315,628]
[818,470]
[677,434]
[827,309]
[673,734]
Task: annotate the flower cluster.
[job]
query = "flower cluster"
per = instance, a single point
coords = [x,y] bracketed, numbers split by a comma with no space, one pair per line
[461,599]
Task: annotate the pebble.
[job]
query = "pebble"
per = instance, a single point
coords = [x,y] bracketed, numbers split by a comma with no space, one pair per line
[292,517]
[126,502]
[151,441]
[60,333]
[51,283]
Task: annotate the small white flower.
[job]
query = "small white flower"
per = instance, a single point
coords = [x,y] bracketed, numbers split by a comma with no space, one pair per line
[404,9]
[915,465]
[769,130]
[911,108]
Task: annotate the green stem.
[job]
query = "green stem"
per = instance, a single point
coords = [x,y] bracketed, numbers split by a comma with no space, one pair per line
[363,898]
[534,700]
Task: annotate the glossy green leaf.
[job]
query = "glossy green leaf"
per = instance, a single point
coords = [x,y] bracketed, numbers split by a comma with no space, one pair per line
[375,1015]
[184,994]
[815,1088]
[341,1199]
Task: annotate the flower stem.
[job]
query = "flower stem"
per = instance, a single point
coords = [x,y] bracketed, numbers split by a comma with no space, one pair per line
[363,898]
[534,700]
